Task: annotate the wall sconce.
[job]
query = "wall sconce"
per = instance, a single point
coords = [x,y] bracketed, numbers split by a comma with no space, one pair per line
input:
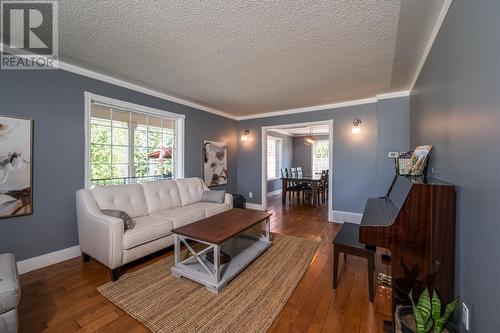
[244,136]
[355,126]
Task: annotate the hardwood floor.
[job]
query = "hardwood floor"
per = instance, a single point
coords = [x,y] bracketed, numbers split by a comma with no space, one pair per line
[63,297]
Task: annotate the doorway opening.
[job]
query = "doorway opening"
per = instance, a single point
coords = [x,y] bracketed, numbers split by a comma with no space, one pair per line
[303,151]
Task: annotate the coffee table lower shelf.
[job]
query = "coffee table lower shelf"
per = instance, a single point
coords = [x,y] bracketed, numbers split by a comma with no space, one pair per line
[243,250]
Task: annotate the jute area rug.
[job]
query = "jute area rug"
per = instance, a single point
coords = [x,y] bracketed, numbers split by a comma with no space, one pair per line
[249,303]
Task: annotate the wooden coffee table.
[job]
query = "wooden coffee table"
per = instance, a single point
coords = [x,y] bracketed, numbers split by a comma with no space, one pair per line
[227,232]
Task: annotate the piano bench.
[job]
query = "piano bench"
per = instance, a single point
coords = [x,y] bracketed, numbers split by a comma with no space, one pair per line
[347,242]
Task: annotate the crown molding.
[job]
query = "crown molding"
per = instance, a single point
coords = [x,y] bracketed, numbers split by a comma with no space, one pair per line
[314,134]
[281,132]
[369,100]
[309,109]
[295,135]
[432,38]
[396,94]
[132,86]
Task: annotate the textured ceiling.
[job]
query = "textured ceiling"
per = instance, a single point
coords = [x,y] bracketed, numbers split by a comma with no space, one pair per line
[240,57]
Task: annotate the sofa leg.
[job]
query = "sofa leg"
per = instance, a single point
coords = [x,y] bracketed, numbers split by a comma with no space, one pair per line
[85,257]
[115,274]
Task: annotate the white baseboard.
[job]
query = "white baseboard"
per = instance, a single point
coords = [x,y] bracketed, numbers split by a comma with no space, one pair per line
[253,206]
[350,217]
[273,193]
[48,259]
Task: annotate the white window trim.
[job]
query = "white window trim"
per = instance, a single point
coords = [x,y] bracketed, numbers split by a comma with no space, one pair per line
[127,106]
[279,157]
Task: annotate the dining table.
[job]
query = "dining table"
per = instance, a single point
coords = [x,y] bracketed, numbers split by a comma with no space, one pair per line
[313,180]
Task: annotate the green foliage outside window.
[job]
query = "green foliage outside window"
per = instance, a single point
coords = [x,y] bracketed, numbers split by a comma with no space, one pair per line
[110,149]
[321,149]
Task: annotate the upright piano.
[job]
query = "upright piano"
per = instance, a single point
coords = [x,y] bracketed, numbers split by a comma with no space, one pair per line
[416,222]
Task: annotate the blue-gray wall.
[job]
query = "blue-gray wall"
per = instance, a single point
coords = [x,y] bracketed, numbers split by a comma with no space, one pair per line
[361,166]
[455,106]
[54,99]
[286,158]
[302,153]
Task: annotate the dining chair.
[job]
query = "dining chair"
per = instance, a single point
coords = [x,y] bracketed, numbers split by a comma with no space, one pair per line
[284,173]
[320,190]
[323,187]
[292,187]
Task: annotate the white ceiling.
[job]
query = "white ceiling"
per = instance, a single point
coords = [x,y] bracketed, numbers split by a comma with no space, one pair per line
[248,57]
[302,131]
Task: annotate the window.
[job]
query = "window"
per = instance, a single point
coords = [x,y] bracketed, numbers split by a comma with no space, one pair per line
[320,160]
[273,157]
[128,143]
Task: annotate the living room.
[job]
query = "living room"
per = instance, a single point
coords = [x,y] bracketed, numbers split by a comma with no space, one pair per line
[139,192]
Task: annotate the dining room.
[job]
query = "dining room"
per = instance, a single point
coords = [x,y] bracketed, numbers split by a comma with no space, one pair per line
[297,164]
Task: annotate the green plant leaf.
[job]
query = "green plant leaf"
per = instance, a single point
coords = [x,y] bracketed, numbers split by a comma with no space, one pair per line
[428,326]
[422,312]
[438,325]
[450,308]
[424,304]
[439,320]
[436,306]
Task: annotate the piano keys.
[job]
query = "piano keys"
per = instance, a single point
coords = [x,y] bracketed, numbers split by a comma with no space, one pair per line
[416,222]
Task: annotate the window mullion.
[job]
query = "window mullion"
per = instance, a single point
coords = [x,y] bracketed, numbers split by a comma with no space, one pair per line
[111,148]
[131,149]
[161,149]
[147,147]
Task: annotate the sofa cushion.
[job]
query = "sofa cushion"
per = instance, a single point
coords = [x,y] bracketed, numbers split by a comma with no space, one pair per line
[211,208]
[181,216]
[190,190]
[9,283]
[161,195]
[147,229]
[128,198]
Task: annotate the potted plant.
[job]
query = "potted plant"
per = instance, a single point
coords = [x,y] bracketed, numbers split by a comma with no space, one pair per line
[426,315]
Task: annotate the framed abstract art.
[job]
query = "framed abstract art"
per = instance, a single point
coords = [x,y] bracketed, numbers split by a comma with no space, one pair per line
[214,163]
[16,174]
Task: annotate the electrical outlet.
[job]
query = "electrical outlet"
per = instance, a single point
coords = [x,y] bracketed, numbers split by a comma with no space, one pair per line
[434,171]
[250,194]
[465,316]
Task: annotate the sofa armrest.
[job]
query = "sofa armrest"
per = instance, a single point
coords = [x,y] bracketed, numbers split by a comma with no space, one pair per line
[100,235]
[10,291]
[228,199]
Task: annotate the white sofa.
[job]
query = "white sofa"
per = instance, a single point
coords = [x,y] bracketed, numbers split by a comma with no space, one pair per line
[10,293]
[156,207]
